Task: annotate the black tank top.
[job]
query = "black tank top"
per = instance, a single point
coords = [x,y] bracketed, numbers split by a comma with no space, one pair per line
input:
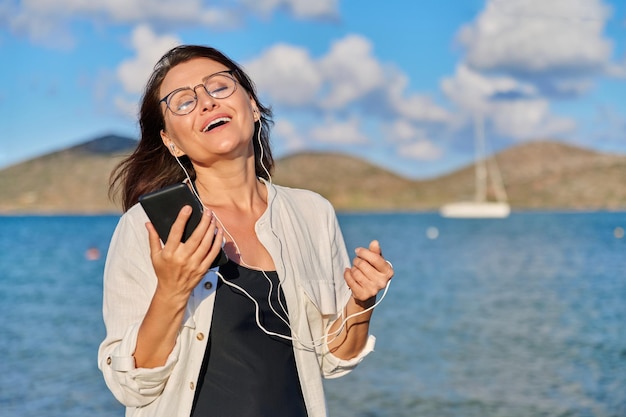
[245,372]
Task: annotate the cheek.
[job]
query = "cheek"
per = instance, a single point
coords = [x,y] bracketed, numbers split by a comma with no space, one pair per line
[175,126]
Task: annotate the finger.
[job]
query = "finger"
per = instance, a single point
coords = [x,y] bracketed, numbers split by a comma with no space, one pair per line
[388,267]
[178,227]
[364,271]
[198,236]
[196,248]
[153,238]
[354,279]
[353,284]
[208,239]
[369,276]
[373,257]
[216,246]
[375,247]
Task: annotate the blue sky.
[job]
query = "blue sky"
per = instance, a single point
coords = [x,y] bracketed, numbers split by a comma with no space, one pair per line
[398,82]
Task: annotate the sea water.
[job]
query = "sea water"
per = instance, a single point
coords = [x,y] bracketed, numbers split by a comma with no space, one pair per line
[524,316]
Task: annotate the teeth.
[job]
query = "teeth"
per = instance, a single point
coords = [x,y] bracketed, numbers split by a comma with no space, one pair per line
[218,121]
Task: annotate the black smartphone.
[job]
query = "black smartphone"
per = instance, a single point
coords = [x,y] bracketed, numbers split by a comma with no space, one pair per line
[162,207]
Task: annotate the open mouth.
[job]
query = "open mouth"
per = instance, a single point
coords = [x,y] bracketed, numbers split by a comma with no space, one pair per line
[216,123]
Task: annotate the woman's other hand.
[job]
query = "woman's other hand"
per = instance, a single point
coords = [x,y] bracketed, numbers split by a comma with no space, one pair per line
[369,274]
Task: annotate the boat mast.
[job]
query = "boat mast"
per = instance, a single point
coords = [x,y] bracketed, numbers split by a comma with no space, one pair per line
[480,164]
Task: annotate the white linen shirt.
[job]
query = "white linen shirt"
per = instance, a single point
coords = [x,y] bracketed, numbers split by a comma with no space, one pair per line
[301,233]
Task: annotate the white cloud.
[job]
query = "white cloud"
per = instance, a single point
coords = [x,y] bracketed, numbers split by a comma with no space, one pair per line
[133,11]
[472,91]
[347,80]
[617,69]
[348,74]
[43,29]
[402,131]
[299,8]
[47,21]
[317,8]
[354,76]
[421,150]
[420,108]
[289,135]
[134,73]
[339,132]
[287,74]
[514,108]
[414,106]
[544,41]
[528,119]
[149,47]
[351,71]
[127,107]
[412,142]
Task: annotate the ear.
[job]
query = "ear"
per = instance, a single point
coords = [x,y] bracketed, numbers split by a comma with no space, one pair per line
[256,114]
[170,145]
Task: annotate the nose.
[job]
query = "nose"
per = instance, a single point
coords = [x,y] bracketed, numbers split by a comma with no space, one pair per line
[205,100]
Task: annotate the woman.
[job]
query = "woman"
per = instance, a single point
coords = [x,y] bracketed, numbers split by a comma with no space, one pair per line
[253,337]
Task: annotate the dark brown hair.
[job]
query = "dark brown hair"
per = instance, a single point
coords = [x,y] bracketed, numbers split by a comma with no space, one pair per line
[151,166]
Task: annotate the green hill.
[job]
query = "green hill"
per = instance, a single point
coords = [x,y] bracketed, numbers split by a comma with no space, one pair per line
[537,175]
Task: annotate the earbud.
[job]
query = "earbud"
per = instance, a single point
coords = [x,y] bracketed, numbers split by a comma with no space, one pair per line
[256,115]
[173,147]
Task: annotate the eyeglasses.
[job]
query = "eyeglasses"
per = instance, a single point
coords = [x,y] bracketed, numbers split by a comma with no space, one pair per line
[183,100]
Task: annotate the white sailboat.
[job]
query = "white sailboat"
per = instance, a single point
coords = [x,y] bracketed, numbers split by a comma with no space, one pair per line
[480,207]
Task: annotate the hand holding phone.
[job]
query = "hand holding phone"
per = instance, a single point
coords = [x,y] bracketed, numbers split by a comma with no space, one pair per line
[162,207]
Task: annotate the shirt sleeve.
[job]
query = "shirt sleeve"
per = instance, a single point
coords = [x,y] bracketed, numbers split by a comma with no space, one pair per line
[129,284]
[332,366]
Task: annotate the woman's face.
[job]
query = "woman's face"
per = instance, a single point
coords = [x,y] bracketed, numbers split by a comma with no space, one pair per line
[216,127]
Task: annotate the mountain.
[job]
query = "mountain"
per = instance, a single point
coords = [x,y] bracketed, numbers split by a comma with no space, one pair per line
[552,175]
[538,175]
[72,180]
[105,145]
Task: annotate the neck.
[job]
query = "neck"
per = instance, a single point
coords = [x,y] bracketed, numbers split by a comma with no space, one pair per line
[231,187]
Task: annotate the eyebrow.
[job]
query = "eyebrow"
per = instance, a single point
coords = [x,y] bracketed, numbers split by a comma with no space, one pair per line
[230,71]
[215,73]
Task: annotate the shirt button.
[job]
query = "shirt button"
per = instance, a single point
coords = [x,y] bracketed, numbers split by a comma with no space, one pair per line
[191,385]
[200,336]
[208,285]
[109,360]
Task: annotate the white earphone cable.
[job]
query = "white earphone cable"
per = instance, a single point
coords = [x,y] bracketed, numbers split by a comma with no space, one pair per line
[321,341]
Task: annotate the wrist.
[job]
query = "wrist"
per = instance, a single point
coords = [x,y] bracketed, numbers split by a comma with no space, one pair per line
[174,301]
[365,304]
